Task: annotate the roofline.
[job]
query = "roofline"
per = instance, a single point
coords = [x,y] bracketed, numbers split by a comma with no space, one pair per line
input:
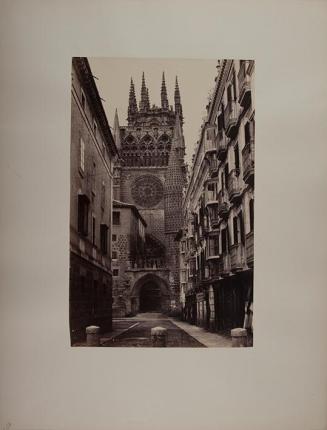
[85,74]
[217,96]
[118,204]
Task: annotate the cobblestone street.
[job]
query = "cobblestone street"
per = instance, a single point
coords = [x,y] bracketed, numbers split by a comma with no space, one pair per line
[136,332]
[139,335]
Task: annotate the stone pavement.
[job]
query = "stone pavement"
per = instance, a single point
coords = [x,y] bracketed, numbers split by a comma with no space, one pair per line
[207,338]
[136,332]
[139,334]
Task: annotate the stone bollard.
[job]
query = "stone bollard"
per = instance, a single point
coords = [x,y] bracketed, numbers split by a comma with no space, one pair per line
[159,336]
[239,337]
[93,335]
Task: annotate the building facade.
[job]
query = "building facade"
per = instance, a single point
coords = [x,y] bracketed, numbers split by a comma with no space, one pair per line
[91,165]
[217,238]
[128,251]
[150,175]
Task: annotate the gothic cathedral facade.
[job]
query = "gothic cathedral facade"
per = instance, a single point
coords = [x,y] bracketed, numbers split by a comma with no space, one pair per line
[151,175]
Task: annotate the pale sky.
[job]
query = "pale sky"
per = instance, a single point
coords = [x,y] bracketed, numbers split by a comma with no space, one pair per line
[195,77]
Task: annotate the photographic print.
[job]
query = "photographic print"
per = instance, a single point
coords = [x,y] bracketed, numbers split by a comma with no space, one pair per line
[162,202]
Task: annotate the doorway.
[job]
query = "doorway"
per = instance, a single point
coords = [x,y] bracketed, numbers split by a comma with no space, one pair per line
[150,297]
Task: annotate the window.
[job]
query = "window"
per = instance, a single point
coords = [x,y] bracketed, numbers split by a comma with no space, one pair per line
[235,230]
[83,212]
[222,181]
[83,100]
[241,223]
[103,195]
[229,94]
[214,246]
[116,218]
[93,230]
[251,207]
[114,255]
[104,238]
[211,186]
[82,155]
[224,240]
[220,122]
[247,132]
[237,158]
[226,172]
[94,174]
[116,272]
[114,237]
[234,84]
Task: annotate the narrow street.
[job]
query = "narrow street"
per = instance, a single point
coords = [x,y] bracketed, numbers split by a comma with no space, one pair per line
[136,332]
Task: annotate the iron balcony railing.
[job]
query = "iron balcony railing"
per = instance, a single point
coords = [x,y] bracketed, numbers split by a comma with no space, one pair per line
[223,204]
[244,83]
[210,197]
[221,145]
[237,257]
[214,221]
[248,162]
[231,117]
[224,265]
[210,146]
[234,186]
[213,166]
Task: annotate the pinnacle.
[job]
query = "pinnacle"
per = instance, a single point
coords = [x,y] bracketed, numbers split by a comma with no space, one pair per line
[164,98]
[132,104]
[117,130]
[144,95]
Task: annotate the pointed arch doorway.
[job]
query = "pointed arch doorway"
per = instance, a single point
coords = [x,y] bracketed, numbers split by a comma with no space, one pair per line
[150,297]
[150,294]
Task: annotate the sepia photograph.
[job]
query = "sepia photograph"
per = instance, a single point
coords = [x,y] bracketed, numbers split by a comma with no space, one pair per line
[162,202]
[138,214]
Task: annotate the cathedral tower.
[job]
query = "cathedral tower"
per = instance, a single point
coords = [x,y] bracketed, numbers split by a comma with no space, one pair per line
[150,177]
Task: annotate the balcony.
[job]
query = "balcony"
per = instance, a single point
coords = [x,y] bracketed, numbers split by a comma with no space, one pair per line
[221,140]
[213,167]
[223,205]
[215,220]
[250,249]
[211,198]
[203,231]
[234,188]
[244,84]
[248,162]
[214,257]
[231,118]
[224,265]
[237,257]
[210,146]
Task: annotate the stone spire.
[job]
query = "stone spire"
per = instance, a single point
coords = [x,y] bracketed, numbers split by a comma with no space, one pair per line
[178,105]
[132,104]
[164,98]
[117,131]
[144,96]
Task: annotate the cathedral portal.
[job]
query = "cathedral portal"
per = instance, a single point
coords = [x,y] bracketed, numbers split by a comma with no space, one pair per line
[150,297]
